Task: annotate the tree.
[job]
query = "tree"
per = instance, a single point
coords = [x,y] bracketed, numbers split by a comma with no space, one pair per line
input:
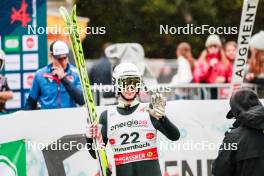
[139,21]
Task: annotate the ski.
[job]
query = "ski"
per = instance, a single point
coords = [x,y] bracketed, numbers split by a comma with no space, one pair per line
[245,31]
[71,23]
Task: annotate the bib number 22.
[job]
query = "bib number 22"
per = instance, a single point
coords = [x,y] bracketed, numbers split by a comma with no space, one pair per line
[133,138]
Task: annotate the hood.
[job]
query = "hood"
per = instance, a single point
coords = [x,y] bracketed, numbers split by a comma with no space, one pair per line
[247,109]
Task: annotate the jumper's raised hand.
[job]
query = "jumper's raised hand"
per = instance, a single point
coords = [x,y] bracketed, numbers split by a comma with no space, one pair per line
[157,106]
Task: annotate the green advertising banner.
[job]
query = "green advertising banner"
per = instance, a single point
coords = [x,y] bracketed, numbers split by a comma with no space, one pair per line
[25,51]
[13,159]
[11,44]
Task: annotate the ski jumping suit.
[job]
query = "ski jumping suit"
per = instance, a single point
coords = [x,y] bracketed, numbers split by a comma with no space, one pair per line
[132,133]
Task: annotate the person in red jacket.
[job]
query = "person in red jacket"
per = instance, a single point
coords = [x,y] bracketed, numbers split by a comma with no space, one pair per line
[212,63]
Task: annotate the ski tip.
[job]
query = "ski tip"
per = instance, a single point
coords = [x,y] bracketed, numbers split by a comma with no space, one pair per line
[74,7]
[74,10]
[62,9]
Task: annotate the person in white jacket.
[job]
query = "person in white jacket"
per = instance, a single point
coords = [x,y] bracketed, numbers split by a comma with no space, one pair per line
[185,63]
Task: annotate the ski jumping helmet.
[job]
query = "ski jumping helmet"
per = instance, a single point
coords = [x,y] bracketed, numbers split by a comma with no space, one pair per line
[126,74]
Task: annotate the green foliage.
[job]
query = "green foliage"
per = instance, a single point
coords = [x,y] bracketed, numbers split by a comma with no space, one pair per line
[139,21]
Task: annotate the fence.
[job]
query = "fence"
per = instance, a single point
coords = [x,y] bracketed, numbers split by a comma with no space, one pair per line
[104,96]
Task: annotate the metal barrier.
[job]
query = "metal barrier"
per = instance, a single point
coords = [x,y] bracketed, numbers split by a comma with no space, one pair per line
[103,95]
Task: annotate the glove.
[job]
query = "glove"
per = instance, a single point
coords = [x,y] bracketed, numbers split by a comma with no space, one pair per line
[93,130]
[157,106]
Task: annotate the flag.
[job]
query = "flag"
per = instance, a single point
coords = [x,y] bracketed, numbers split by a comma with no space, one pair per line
[13,158]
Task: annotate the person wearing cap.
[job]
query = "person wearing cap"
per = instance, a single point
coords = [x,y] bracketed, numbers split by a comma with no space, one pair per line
[212,63]
[5,92]
[242,150]
[57,85]
[255,73]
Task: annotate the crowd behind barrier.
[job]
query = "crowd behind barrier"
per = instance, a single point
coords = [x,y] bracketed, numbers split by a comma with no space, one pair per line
[206,77]
[191,91]
[212,70]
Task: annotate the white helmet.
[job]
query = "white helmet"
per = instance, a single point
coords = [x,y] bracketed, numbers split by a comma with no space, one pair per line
[2,59]
[126,74]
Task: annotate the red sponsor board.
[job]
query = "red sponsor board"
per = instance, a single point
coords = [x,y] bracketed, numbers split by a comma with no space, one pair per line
[30,80]
[149,154]
[30,42]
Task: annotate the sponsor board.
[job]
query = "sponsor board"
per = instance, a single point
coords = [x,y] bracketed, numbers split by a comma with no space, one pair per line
[15,102]
[30,42]
[206,122]
[28,80]
[14,81]
[12,62]
[25,52]
[30,61]
[11,44]
[13,158]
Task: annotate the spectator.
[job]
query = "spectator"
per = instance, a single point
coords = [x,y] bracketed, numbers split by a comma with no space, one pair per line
[241,152]
[256,63]
[185,64]
[5,92]
[212,64]
[57,85]
[101,72]
[230,53]
[166,73]
[230,48]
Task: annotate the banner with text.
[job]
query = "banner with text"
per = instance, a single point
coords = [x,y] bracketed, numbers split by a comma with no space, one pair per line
[202,125]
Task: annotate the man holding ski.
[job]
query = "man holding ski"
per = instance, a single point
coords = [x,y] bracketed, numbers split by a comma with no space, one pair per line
[131,128]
